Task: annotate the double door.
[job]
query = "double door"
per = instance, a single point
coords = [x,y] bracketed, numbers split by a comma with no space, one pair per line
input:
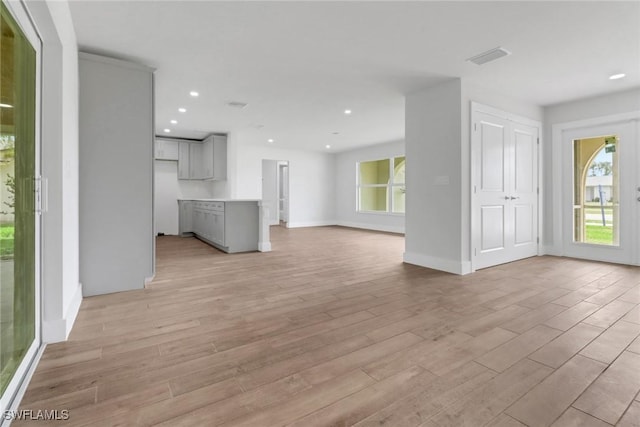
[504,188]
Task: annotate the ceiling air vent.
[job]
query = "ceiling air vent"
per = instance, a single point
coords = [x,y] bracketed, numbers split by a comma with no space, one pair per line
[488,56]
[236,104]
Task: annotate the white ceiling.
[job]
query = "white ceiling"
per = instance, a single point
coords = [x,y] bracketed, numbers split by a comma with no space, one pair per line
[299,65]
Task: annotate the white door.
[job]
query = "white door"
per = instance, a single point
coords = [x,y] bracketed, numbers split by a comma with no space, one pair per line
[601,191]
[505,189]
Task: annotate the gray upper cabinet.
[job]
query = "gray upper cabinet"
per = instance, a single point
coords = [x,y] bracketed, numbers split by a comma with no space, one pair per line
[166,150]
[196,165]
[219,157]
[183,160]
[205,160]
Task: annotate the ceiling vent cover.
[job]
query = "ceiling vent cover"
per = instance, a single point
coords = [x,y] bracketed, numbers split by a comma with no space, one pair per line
[488,56]
[236,104]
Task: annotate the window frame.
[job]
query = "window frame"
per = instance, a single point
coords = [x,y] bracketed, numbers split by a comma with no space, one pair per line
[390,186]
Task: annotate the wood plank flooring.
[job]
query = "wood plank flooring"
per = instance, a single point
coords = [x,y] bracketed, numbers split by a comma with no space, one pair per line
[332,329]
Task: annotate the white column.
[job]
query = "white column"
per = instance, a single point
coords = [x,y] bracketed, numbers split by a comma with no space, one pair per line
[264,245]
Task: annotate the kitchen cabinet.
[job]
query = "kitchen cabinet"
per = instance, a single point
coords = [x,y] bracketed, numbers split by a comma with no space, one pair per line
[183,160]
[214,158]
[196,164]
[166,150]
[229,225]
[205,160]
[185,215]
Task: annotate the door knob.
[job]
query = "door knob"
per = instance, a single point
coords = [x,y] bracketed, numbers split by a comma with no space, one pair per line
[506,197]
[513,198]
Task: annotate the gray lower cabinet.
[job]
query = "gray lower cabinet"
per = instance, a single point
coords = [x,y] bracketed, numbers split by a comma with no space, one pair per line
[185,215]
[231,226]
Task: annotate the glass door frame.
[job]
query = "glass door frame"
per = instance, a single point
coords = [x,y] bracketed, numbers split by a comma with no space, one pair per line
[624,126]
[17,385]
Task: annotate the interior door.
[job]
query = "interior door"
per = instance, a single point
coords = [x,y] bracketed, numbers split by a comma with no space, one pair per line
[505,190]
[600,188]
[19,199]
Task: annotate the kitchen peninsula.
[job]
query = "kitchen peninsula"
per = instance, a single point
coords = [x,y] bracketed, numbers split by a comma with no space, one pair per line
[231,225]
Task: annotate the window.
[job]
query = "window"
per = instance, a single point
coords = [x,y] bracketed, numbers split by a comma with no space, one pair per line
[381,185]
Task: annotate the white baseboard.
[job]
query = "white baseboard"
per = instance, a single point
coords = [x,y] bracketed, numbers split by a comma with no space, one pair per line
[375,227]
[447,265]
[264,246]
[310,224]
[551,250]
[58,330]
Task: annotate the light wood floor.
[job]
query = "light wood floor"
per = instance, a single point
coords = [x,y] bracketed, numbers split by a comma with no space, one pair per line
[332,329]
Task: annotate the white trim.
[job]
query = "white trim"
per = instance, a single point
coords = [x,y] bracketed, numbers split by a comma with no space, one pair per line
[441,264]
[115,61]
[556,144]
[303,224]
[476,108]
[375,227]
[17,397]
[264,246]
[58,330]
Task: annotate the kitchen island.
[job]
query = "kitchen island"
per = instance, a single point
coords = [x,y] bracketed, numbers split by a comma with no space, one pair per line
[231,225]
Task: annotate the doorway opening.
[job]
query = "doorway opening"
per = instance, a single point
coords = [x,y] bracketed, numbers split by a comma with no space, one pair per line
[596,188]
[275,191]
[283,193]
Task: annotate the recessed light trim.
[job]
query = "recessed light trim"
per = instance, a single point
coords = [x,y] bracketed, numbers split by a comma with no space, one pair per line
[182,110]
[194,94]
[270,141]
[617,76]
[174,122]
[167,130]
[347,112]
[327,146]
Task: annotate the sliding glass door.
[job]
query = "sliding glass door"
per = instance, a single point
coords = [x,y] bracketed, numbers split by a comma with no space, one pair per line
[19,220]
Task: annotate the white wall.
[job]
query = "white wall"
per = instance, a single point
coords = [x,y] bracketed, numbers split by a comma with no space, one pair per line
[165,198]
[270,189]
[116,170]
[434,178]
[311,179]
[594,107]
[438,143]
[61,288]
[346,192]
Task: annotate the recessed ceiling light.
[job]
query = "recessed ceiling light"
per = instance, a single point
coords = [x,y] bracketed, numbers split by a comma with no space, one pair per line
[6,106]
[347,112]
[328,146]
[270,141]
[174,122]
[182,110]
[194,94]
[617,76]
[167,130]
